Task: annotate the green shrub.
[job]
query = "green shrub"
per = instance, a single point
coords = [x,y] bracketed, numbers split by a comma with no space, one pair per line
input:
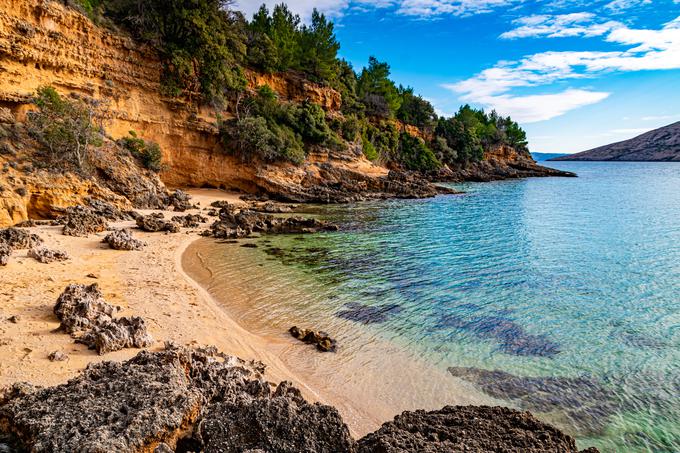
[65,127]
[254,138]
[369,150]
[149,153]
[415,155]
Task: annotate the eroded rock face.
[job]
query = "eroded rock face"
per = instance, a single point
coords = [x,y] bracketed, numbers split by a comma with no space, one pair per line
[123,240]
[88,318]
[282,422]
[239,223]
[155,222]
[125,407]
[180,201]
[47,256]
[466,428]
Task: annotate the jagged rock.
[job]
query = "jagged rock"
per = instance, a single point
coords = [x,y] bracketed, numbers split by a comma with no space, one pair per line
[17,239]
[219,204]
[235,224]
[271,208]
[163,448]
[57,356]
[467,428]
[155,222]
[282,423]
[322,340]
[47,256]
[13,319]
[82,221]
[180,201]
[107,210]
[88,318]
[5,253]
[123,240]
[127,407]
[190,220]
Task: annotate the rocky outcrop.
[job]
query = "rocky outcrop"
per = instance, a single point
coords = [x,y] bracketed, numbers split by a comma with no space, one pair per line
[47,256]
[155,222]
[123,240]
[164,397]
[82,221]
[501,162]
[481,429]
[321,340]
[182,399]
[88,318]
[17,239]
[237,223]
[190,220]
[5,253]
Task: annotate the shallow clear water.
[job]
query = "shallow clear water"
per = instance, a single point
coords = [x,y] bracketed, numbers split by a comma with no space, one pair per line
[569,287]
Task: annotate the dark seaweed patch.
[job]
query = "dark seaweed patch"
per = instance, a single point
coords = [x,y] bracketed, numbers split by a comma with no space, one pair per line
[585,400]
[367,314]
[512,337]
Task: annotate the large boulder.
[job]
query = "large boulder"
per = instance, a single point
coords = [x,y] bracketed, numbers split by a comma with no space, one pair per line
[155,222]
[18,239]
[81,221]
[88,318]
[467,428]
[123,240]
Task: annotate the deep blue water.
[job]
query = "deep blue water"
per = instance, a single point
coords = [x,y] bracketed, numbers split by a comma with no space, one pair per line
[558,295]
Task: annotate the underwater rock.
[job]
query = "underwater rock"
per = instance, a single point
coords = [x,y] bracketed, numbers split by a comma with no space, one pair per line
[481,429]
[586,401]
[155,222]
[123,240]
[323,342]
[512,337]
[88,318]
[47,256]
[367,314]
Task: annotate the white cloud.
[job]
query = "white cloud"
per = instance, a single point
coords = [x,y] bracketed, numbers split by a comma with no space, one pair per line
[560,26]
[632,131]
[660,117]
[623,5]
[648,50]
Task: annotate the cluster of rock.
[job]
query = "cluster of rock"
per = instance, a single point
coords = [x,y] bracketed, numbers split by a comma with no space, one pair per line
[88,318]
[235,223]
[12,239]
[190,220]
[82,221]
[322,340]
[182,399]
[47,256]
[123,240]
[156,222]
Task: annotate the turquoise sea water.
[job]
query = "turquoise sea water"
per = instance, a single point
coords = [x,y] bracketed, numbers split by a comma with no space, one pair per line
[557,295]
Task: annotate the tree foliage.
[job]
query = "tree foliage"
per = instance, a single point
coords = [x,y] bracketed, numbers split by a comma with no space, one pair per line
[377,92]
[66,127]
[149,153]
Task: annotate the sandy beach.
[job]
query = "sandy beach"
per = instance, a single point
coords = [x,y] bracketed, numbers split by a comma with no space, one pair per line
[152,283]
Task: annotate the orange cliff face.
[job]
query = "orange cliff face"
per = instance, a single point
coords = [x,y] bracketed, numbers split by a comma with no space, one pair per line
[46,43]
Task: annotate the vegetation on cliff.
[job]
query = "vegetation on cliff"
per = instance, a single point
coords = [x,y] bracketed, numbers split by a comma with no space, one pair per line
[207,47]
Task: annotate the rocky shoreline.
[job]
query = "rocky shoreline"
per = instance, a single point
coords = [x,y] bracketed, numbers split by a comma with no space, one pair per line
[190,398]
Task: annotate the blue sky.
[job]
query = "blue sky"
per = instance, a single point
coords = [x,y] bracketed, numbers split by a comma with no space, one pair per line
[575,74]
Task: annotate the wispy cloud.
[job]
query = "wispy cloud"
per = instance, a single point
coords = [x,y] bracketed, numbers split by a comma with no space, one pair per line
[647,50]
[560,26]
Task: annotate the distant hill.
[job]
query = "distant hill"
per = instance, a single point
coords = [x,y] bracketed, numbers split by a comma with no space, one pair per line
[659,145]
[541,157]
